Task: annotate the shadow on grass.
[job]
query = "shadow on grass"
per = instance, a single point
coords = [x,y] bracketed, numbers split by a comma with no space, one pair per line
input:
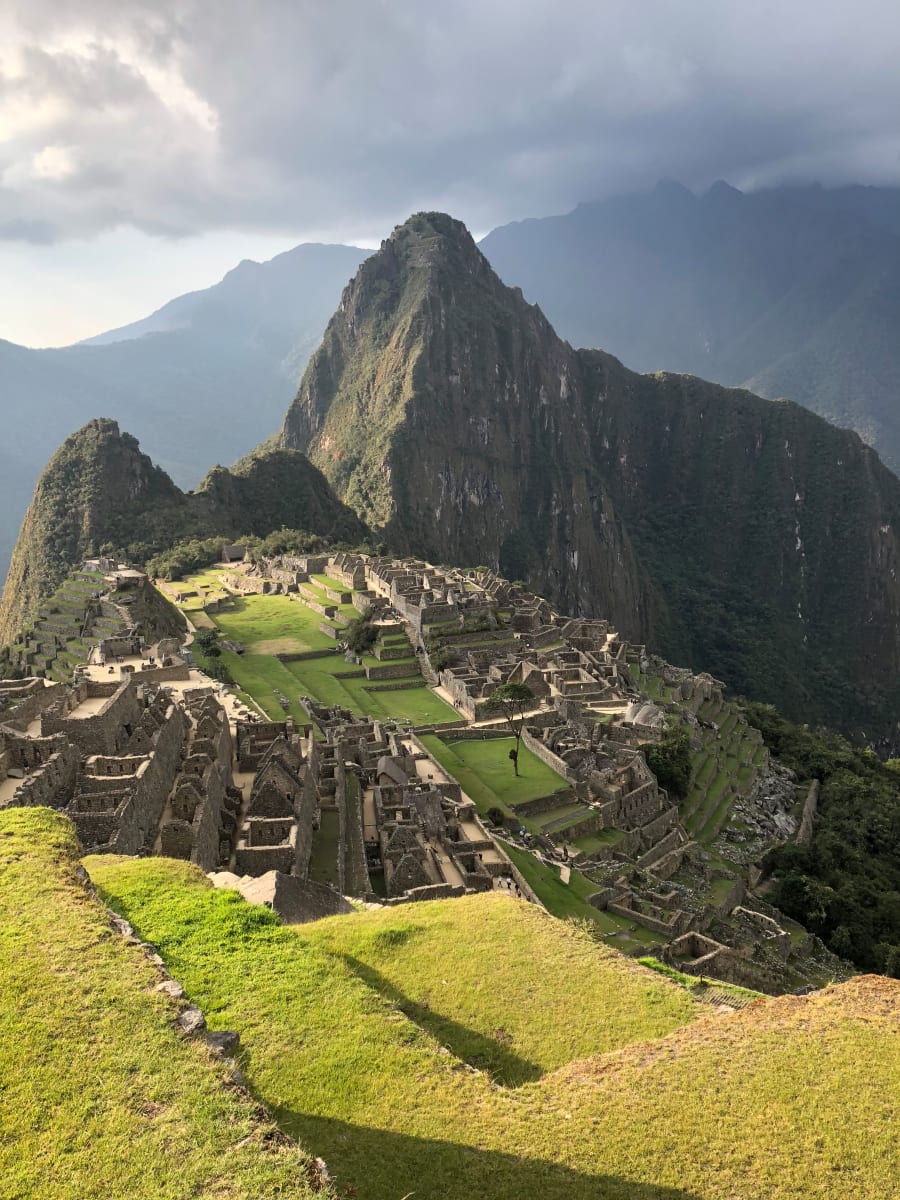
[371,1164]
[488,1054]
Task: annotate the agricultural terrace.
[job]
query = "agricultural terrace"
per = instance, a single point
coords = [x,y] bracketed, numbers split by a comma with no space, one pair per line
[267,626]
[485,773]
[377,1077]
[483,770]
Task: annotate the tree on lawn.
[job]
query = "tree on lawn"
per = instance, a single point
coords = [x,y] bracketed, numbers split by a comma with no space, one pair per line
[512,701]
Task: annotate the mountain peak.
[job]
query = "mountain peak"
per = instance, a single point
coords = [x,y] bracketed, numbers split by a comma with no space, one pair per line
[100,493]
[448,413]
[722,188]
[429,241]
[431,224]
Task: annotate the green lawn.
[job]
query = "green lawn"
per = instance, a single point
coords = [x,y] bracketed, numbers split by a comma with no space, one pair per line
[752,1105]
[270,620]
[319,678]
[100,1098]
[590,842]
[485,773]
[267,625]
[544,1017]
[325,581]
[259,675]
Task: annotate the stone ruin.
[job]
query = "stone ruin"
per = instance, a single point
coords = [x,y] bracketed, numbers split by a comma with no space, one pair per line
[136,770]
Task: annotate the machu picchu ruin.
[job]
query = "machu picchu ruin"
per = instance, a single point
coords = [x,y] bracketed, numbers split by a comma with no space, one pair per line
[340,775]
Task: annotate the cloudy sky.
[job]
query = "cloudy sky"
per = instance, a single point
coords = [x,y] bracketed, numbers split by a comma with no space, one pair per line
[148,145]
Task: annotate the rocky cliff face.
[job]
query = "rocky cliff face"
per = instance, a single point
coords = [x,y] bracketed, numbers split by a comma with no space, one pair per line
[444,409]
[743,536]
[100,492]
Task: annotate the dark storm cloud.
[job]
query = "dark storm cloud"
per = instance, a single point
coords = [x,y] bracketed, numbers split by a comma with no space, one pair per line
[180,116]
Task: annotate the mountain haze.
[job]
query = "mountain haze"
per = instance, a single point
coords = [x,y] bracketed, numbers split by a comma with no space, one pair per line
[197,382]
[789,291]
[746,537]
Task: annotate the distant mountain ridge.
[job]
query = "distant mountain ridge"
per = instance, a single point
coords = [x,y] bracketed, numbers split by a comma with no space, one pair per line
[790,291]
[197,382]
[748,538]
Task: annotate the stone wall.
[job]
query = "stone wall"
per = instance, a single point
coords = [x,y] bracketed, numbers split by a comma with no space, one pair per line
[475,735]
[305,655]
[96,830]
[141,816]
[433,891]
[207,825]
[177,673]
[672,841]
[383,652]
[590,824]
[100,764]
[667,927]
[37,700]
[52,783]
[307,809]
[257,860]
[542,804]
[402,685]
[324,610]
[356,880]
[391,670]
[546,755]
[103,732]
[659,826]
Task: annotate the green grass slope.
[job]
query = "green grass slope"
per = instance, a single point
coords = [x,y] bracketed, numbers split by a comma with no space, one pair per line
[522,996]
[791,1097]
[99,1097]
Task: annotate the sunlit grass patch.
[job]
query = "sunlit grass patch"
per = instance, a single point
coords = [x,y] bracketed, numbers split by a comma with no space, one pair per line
[99,1097]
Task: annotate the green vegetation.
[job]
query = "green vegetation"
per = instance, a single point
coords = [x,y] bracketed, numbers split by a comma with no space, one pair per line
[512,701]
[194,554]
[414,702]
[361,635]
[101,1099]
[695,985]
[482,770]
[100,494]
[716,1109]
[506,1003]
[272,624]
[670,761]
[569,901]
[711,538]
[845,885]
[267,626]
